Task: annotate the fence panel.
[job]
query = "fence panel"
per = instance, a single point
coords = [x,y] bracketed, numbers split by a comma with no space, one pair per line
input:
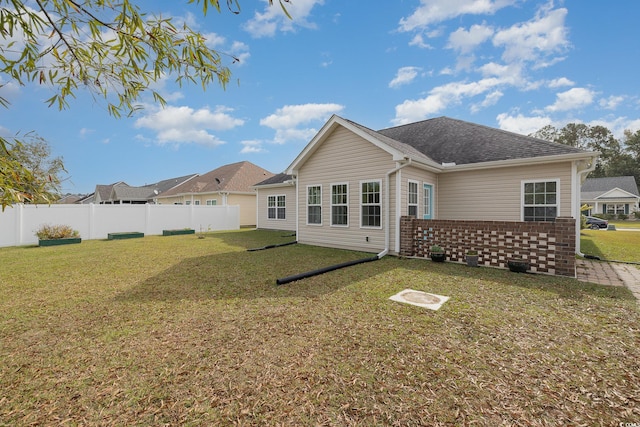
[19,223]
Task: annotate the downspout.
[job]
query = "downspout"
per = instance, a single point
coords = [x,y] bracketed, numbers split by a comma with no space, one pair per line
[581,175]
[387,200]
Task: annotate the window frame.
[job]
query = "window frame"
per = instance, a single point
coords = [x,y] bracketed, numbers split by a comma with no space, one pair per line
[277,209]
[534,205]
[368,204]
[336,205]
[417,193]
[211,202]
[315,205]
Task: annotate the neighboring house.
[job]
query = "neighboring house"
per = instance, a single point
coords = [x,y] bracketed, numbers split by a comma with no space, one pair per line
[354,184]
[613,195]
[225,186]
[123,193]
[69,199]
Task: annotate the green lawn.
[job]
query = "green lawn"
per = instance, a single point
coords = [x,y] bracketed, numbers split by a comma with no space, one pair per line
[611,245]
[186,331]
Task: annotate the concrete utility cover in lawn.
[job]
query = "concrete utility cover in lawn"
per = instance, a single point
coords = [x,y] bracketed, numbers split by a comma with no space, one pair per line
[419,298]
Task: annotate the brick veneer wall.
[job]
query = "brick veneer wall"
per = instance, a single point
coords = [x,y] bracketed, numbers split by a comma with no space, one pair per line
[549,247]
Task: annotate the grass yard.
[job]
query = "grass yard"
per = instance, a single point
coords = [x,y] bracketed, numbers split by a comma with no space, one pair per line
[611,245]
[185,331]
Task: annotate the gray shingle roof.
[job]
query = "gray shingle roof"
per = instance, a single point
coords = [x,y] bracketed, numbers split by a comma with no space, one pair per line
[280,178]
[447,140]
[594,187]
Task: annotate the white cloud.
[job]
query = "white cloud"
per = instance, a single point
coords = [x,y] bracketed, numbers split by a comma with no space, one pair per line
[405,75]
[612,102]
[489,100]
[521,124]
[179,125]
[85,131]
[562,81]
[273,19]
[544,35]
[433,11]
[252,147]
[440,98]
[466,41]
[572,99]
[419,42]
[291,121]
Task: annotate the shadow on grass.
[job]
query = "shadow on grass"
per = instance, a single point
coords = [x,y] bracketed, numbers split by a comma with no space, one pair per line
[250,275]
[588,246]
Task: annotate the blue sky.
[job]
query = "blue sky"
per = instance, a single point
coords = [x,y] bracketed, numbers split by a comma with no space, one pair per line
[517,65]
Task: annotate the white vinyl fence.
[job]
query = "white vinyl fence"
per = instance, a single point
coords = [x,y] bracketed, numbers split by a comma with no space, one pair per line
[19,223]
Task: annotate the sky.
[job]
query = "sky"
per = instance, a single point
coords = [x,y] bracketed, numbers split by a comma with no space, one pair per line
[516,65]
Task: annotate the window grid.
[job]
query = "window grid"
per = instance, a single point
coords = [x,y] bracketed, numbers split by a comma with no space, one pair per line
[540,201]
[412,199]
[314,204]
[339,204]
[276,207]
[371,207]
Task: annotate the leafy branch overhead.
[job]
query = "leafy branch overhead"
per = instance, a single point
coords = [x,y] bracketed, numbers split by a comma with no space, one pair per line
[111,47]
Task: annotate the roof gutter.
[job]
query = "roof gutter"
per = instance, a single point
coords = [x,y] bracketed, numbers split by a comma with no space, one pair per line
[387,200]
[517,162]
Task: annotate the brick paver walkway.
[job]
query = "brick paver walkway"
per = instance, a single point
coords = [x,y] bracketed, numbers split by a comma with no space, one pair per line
[610,273]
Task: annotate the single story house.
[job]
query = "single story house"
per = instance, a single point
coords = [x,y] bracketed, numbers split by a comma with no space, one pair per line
[120,193]
[613,195]
[227,185]
[350,185]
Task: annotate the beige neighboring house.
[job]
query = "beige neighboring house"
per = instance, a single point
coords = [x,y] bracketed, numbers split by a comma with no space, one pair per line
[228,185]
[353,184]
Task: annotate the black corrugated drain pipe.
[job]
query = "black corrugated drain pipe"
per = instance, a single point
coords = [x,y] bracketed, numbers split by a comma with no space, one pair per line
[271,246]
[323,270]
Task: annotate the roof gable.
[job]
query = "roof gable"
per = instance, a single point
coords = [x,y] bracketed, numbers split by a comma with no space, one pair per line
[235,177]
[444,142]
[600,186]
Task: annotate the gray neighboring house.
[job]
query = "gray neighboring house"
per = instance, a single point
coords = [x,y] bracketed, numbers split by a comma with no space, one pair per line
[123,193]
[612,195]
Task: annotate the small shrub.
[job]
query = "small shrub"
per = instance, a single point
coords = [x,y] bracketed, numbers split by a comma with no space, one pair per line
[48,232]
[623,216]
[436,249]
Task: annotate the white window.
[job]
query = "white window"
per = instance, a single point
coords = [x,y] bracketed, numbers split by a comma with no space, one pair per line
[617,208]
[370,205]
[339,204]
[276,207]
[540,200]
[188,202]
[412,199]
[196,202]
[427,194]
[314,204]
[212,202]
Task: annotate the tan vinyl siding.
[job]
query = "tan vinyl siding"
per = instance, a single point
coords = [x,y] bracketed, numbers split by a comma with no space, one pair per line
[289,223]
[247,203]
[496,194]
[343,158]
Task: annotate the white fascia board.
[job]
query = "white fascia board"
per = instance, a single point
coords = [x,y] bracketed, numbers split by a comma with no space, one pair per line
[331,124]
[521,162]
[605,195]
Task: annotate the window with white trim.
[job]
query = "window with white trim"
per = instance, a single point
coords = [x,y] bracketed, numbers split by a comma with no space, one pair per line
[370,205]
[339,204]
[617,208]
[412,198]
[314,204]
[276,207]
[540,201]
[196,202]
[212,202]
